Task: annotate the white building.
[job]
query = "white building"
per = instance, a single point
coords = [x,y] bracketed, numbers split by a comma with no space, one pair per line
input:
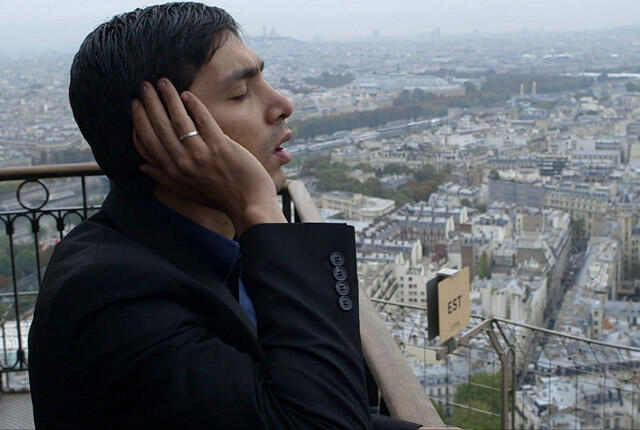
[412,275]
[357,206]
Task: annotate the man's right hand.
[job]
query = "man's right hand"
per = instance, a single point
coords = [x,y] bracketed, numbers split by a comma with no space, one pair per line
[210,168]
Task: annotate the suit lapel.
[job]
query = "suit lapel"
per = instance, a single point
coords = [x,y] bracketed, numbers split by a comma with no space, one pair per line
[137,219]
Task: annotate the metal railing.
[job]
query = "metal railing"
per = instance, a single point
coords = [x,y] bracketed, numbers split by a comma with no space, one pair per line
[29,246]
[506,374]
[497,373]
[38,205]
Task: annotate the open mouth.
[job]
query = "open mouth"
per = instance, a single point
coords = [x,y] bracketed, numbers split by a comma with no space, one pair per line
[281,152]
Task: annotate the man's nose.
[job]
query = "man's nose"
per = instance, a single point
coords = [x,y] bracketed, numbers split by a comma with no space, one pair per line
[280,107]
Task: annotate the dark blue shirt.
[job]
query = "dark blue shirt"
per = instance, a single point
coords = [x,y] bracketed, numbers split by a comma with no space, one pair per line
[223,253]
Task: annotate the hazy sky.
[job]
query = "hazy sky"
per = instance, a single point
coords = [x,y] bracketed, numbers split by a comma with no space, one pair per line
[40,25]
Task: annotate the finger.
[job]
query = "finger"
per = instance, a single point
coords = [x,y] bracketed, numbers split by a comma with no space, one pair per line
[148,144]
[161,123]
[204,121]
[143,150]
[182,123]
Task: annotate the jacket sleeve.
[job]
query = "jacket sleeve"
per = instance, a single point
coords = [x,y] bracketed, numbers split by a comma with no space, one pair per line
[154,364]
[382,422]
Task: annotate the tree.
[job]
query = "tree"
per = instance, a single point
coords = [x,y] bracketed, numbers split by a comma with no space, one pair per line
[494,174]
[329,80]
[484,268]
[470,88]
[395,169]
[333,177]
[312,127]
[313,163]
[632,87]
[427,172]
[465,202]
[578,232]
[371,187]
[365,167]
[544,105]
[476,394]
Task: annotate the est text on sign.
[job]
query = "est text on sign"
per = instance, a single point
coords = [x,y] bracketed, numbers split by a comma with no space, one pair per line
[454,310]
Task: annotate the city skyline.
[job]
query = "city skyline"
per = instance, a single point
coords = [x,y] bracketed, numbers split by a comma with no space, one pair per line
[44,26]
[515,156]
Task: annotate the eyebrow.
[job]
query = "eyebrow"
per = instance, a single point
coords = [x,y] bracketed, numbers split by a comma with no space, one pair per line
[245,73]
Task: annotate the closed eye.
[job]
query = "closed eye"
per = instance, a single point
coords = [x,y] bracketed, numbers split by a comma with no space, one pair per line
[240,97]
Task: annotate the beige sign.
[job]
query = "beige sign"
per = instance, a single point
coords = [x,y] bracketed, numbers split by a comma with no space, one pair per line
[454,307]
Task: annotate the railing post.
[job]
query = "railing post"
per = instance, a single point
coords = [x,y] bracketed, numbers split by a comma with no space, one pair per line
[35,229]
[286,204]
[4,344]
[446,364]
[85,211]
[512,349]
[503,355]
[16,303]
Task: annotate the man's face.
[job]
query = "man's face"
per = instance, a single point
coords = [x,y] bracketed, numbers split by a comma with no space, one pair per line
[246,107]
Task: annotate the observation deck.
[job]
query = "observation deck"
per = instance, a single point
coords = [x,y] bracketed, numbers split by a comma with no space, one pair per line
[496,373]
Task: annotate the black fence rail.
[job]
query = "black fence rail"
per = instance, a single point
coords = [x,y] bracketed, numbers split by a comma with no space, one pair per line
[39,205]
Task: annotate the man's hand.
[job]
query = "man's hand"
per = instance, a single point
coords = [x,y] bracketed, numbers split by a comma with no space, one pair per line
[210,168]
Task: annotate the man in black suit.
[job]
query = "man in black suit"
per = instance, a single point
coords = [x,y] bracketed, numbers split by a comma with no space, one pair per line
[150,314]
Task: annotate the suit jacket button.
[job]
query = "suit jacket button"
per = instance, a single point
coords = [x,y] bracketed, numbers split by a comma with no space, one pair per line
[340,273]
[342,288]
[337,258]
[345,303]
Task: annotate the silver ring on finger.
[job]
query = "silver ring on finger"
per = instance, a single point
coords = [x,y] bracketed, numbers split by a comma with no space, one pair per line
[188,135]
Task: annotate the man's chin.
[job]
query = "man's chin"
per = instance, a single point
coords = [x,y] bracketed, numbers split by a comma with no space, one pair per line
[279,179]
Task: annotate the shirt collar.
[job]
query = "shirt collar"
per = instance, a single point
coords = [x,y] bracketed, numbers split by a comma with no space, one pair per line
[222,251]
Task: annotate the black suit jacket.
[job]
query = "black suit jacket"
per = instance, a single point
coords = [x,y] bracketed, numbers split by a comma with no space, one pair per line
[132,328]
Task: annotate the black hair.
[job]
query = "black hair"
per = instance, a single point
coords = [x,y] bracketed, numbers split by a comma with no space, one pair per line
[172,40]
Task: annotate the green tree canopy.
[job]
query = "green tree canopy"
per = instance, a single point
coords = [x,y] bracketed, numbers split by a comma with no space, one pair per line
[632,87]
[578,232]
[365,167]
[484,266]
[329,80]
[333,177]
[395,169]
[312,127]
[483,393]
